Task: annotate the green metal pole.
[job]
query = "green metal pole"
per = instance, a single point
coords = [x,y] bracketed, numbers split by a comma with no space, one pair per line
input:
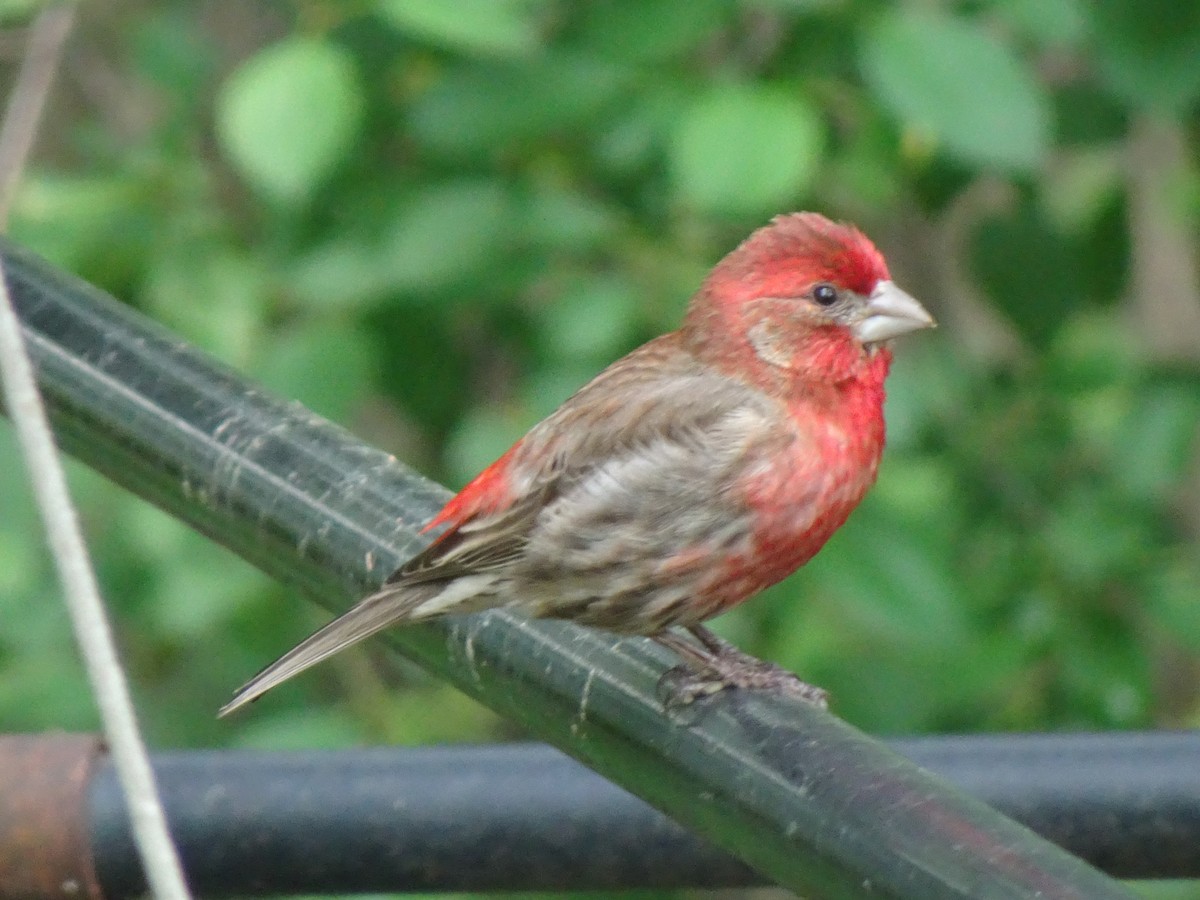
[799,794]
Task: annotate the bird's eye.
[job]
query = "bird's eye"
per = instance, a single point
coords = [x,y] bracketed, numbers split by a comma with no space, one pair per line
[825,294]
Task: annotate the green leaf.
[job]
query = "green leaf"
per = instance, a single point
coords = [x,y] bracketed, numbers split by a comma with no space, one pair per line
[1082,185]
[545,391]
[929,386]
[1090,537]
[1091,354]
[199,590]
[591,320]
[440,236]
[296,728]
[475,27]
[1028,269]
[1171,601]
[326,366]
[447,233]
[289,115]
[72,219]
[21,535]
[1088,116]
[213,295]
[894,579]
[865,173]
[561,218]
[1159,433]
[630,146]
[1149,51]
[745,150]
[1049,23]
[347,273]
[481,438]
[647,30]
[477,109]
[174,57]
[959,85]
[14,12]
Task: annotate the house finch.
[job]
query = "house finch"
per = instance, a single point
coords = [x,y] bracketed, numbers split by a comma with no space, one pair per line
[701,468]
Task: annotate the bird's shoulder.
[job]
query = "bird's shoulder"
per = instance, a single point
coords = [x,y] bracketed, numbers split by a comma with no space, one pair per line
[657,393]
[646,407]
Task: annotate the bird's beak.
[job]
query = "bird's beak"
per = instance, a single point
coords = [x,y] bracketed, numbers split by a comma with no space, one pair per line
[890,313]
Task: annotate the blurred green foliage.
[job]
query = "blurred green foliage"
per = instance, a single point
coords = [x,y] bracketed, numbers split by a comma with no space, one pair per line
[431,222]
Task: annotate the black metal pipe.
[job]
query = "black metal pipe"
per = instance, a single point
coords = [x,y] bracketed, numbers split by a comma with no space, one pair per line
[1129,803]
[466,819]
[799,794]
[526,817]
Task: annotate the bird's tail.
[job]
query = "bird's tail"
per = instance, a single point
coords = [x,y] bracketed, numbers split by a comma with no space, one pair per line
[392,605]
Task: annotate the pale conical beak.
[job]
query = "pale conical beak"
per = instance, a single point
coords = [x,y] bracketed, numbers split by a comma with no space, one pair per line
[890,313]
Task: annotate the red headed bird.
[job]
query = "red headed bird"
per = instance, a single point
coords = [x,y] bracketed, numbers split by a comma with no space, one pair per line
[686,477]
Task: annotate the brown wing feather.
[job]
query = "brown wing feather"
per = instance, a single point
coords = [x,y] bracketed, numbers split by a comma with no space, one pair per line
[655,393]
[367,617]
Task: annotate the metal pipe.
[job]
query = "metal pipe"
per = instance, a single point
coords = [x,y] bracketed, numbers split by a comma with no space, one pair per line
[467,819]
[524,816]
[46,844]
[799,794]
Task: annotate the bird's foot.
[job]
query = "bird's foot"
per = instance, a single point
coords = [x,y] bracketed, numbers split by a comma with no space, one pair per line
[684,684]
[716,665]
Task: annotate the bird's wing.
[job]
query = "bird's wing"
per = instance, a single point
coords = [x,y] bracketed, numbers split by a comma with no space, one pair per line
[652,408]
[651,399]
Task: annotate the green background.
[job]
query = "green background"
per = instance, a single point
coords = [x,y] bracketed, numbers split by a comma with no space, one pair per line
[430,222]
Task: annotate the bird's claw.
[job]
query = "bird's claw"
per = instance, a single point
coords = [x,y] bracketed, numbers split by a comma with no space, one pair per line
[683,685]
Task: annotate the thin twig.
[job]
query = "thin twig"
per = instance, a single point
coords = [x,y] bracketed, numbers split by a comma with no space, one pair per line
[24,404]
[28,99]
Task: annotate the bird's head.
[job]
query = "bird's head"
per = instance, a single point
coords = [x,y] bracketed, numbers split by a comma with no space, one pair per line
[802,293]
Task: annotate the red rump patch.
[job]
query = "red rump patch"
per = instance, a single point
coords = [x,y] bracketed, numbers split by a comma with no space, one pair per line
[488,492]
